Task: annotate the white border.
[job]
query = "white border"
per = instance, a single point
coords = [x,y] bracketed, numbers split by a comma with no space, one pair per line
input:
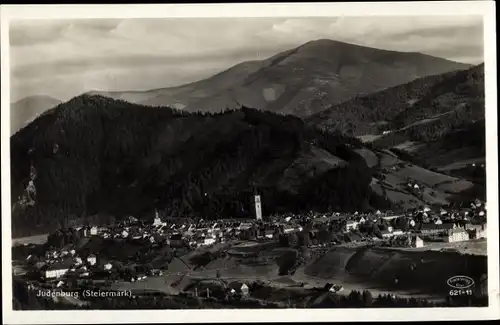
[484,8]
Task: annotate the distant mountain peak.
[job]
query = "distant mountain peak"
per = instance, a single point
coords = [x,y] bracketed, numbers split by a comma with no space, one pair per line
[26,109]
[301,81]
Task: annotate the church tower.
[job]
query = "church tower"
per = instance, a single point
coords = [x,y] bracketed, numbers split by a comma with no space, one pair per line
[258,208]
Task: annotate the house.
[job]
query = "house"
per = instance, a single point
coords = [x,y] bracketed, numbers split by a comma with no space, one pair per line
[477,231]
[108,266]
[431,228]
[92,259]
[56,270]
[360,220]
[386,234]
[124,233]
[457,235]
[93,231]
[157,222]
[397,232]
[351,225]
[330,287]
[268,233]
[207,241]
[416,242]
[239,288]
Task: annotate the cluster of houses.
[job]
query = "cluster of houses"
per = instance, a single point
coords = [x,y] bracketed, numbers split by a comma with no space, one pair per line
[449,226]
[58,263]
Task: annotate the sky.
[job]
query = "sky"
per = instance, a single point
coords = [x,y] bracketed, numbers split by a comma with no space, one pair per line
[64,58]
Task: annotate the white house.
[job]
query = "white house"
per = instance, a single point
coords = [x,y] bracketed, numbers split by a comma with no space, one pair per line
[56,270]
[397,232]
[92,259]
[478,231]
[55,273]
[386,234]
[108,266]
[351,225]
[456,235]
[208,241]
[157,222]
[124,233]
[417,242]
[361,220]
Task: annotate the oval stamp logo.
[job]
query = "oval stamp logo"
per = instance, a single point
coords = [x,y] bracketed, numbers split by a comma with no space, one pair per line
[460,282]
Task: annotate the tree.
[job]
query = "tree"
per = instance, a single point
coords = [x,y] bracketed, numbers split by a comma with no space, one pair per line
[367,298]
[306,238]
[324,236]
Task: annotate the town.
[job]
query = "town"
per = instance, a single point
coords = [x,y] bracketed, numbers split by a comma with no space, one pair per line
[133,250]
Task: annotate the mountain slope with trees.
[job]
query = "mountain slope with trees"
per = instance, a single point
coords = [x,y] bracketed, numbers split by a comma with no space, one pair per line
[95,157]
[429,133]
[460,93]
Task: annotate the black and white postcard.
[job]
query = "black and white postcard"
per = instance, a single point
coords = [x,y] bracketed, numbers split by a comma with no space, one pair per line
[249,162]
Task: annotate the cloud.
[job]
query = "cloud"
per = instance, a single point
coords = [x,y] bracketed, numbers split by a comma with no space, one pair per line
[186,49]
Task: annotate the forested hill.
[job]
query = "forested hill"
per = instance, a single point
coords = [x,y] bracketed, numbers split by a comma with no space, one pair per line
[96,156]
[401,106]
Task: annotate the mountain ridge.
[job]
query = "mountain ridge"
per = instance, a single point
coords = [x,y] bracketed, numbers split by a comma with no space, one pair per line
[298,81]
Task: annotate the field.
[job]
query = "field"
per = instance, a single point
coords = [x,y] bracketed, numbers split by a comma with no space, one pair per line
[395,175]
[411,272]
